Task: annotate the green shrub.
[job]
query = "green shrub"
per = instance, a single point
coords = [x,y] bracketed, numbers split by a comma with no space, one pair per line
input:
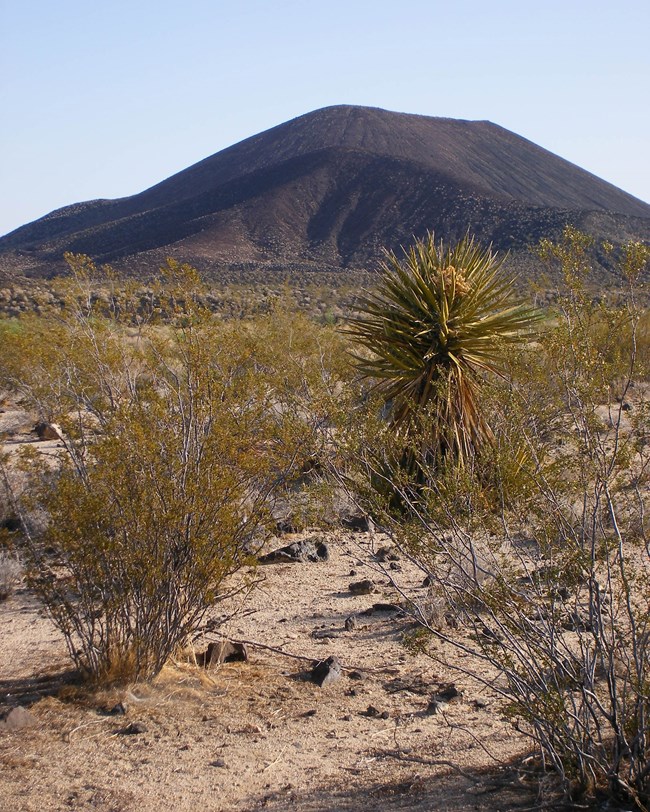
[549,584]
[175,439]
[439,320]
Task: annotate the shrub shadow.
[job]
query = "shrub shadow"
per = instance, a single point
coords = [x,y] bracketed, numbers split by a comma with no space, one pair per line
[26,691]
[480,791]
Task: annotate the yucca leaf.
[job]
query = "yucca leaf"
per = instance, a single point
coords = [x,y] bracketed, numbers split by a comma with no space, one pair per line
[438,320]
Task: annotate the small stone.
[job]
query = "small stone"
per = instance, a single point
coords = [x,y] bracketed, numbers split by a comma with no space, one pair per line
[350,623]
[48,431]
[357,675]
[327,671]
[384,715]
[118,710]
[347,718]
[17,719]
[364,587]
[385,607]
[445,694]
[358,522]
[384,554]
[218,762]
[309,713]
[372,711]
[225,651]
[313,549]
[134,729]
[323,634]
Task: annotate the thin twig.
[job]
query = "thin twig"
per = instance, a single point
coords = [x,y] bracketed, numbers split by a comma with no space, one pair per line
[431,762]
[67,736]
[304,658]
[275,760]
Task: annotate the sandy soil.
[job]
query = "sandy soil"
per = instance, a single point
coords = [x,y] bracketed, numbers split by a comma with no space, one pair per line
[260,734]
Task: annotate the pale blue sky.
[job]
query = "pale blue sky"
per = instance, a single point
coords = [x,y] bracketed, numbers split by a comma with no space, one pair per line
[106,99]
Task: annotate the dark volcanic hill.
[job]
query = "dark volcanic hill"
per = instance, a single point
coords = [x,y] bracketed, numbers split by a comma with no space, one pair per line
[327,190]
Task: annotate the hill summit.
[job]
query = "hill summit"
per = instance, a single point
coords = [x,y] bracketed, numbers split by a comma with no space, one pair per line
[327,190]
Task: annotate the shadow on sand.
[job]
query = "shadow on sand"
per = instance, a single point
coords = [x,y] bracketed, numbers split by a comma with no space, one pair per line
[28,690]
[480,791]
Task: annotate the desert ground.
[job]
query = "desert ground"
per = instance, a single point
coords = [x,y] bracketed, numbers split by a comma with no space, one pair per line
[260,734]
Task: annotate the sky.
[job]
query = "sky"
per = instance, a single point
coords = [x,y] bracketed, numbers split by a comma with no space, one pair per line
[103,100]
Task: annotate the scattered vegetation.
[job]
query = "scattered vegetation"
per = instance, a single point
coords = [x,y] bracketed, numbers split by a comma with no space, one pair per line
[547,587]
[508,457]
[438,320]
[176,439]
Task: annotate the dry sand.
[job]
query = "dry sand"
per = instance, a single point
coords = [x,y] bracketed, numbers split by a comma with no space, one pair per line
[259,734]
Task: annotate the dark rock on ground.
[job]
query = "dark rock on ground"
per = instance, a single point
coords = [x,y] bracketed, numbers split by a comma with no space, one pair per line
[224,651]
[364,587]
[133,729]
[357,521]
[445,693]
[385,554]
[311,549]
[374,713]
[323,634]
[382,607]
[327,671]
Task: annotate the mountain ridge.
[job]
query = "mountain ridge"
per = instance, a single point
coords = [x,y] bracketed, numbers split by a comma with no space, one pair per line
[331,188]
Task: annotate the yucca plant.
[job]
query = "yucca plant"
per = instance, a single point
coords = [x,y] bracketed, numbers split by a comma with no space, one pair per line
[439,320]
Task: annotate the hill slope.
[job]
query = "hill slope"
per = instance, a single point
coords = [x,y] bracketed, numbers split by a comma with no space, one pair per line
[327,190]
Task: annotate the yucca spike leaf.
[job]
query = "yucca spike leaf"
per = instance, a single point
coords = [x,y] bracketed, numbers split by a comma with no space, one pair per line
[439,319]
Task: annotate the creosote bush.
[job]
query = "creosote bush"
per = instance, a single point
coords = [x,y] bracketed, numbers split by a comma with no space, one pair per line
[176,438]
[537,551]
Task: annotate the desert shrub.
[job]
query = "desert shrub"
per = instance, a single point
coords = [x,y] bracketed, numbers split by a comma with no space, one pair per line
[174,440]
[549,586]
[438,321]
